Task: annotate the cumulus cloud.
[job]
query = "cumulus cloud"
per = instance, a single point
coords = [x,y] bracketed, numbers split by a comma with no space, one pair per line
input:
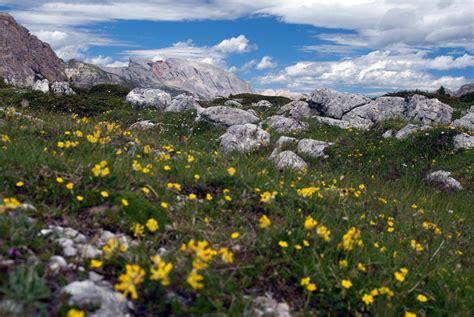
[239,44]
[266,63]
[378,69]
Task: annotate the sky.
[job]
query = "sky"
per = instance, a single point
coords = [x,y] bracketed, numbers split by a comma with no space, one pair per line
[364,46]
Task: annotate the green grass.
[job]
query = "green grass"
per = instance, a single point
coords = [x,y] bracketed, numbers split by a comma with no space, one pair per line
[392,172]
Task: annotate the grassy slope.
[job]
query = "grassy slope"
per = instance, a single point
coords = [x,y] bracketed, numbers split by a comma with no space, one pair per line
[389,169]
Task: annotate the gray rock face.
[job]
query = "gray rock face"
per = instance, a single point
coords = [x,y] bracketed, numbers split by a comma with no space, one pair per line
[263,104]
[443,179]
[41,85]
[428,111]
[339,123]
[410,129]
[465,89]
[110,303]
[334,104]
[299,110]
[84,75]
[288,160]
[467,121]
[149,98]
[463,141]
[244,139]
[312,148]
[226,116]
[24,58]
[143,125]
[284,125]
[233,103]
[182,103]
[61,88]
[380,109]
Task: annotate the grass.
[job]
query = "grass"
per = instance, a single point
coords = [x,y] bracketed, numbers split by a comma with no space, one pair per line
[367,183]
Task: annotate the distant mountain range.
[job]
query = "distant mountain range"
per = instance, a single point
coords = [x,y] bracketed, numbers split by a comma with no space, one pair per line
[24,59]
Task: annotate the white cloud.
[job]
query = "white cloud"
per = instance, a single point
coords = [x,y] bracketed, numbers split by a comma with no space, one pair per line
[266,63]
[405,69]
[100,60]
[238,44]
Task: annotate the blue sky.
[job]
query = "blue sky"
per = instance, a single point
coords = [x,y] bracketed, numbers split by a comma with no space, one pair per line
[362,46]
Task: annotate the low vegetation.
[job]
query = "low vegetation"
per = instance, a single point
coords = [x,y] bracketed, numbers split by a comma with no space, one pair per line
[358,233]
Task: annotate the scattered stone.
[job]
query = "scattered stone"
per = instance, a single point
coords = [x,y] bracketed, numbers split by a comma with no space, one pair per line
[182,103]
[143,125]
[467,121]
[283,124]
[68,246]
[410,129]
[233,103]
[443,179]
[88,293]
[263,104]
[428,111]
[61,88]
[284,141]
[149,98]
[331,103]
[90,252]
[312,148]
[226,116]
[288,160]
[463,141]
[57,264]
[387,134]
[244,138]
[267,306]
[41,85]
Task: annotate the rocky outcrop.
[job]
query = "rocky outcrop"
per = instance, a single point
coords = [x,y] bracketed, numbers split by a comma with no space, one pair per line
[24,58]
[380,109]
[182,103]
[263,104]
[299,110]
[41,85]
[84,75]
[443,179]
[149,98]
[333,104]
[312,148]
[226,116]
[340,123]
[288,160]
[244,138]
[467,121]
[428,111]
[61,88]
[463,141]
[284,125]
[233,103]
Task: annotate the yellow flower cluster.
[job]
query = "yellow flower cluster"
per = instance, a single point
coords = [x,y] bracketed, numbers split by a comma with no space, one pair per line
[101,169]
[308,285]
[350,239]
[128,282]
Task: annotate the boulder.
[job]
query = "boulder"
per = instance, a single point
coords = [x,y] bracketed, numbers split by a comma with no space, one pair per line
[267,306]
[467,121]
[244,138]
[288,160]
[41,85]
[331,103]
[299,110]
[443,179]
[283,124]
[387,134]
[88,293]
[312,148]
[182,103]
[143,125]
[149,98]
[226,116]
[377,110]
[233,103]
[410,129]
[61,88]
[463,141]
[340,123]
[263,104]
[428,111]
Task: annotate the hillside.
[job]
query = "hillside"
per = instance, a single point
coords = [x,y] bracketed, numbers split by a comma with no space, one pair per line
[160,219]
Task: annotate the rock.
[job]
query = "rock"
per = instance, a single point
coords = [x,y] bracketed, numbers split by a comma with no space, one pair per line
[443,179]
[233,103]
[339,123]
[428,111]
[285,141]
[244,139]
[61,88]
[24,58]
[149,98]
[68,246]
[467,121]
[24,103]
[382,108]
[263,104]
[334,104]
[387,134]
[182,103]
[88,293]
[143,125]
[288,160]
[312,148]
[267,306]
[463,141]
[57,264]
[41,85]
[226,116]
[410,129]
[89,252]
[284,125]
[299,110]
[251,111]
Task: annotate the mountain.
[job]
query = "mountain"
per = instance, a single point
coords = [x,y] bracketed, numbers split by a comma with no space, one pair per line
[24,58]
[465,89]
